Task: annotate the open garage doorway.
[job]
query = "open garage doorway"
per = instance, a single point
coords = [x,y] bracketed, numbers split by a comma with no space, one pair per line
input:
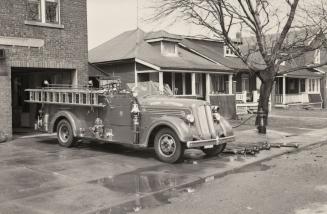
[24,114]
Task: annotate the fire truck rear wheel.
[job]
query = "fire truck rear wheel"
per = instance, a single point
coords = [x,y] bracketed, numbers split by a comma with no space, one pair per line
[168,147]
[216,150]
[65,134]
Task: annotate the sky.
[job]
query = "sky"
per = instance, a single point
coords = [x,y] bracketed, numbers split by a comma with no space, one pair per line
[109,18]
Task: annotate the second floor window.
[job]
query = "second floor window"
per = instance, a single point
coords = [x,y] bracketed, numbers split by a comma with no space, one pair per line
[34,10]
[52,11]
[228,51]
[169,49]
[317,57]
[45,11]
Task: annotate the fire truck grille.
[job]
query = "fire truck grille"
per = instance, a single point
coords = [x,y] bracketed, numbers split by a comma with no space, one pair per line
[205,122]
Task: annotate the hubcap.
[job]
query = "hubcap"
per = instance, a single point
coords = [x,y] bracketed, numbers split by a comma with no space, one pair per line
[64,133]
[167,145]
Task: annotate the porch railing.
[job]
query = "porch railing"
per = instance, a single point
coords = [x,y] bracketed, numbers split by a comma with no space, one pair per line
[292,98]
[241,96]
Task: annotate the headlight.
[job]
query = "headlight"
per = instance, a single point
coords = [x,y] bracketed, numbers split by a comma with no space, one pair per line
[214,109]
[190,118]
[216,117]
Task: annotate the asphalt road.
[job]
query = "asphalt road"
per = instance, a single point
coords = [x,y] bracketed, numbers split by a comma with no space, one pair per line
[294,183]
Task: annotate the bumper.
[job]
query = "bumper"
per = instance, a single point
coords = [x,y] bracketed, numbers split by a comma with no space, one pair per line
[210,142]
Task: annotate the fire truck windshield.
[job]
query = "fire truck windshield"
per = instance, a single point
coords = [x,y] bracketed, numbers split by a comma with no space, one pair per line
[150,88]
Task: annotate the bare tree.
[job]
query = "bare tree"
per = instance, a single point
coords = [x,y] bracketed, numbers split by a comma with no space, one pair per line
[277,31]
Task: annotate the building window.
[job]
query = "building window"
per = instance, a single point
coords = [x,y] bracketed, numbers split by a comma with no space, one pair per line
[217,84]
[314,85]
[317,57]
[52,11]
[198,84]
[44,11]
[169,48]
[228,51]
[34,10]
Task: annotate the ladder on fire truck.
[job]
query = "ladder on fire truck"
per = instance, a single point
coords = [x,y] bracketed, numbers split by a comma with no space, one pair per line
[66,96]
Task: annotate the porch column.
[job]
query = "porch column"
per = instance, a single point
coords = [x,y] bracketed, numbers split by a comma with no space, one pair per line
[230,84]
[135,74]
[161,85]
[193,84]
[306,86]
[284,89]
[184,83]
[208,87]
[173,82]
[258,83]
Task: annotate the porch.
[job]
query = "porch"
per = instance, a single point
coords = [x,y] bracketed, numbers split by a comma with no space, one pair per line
[295,90]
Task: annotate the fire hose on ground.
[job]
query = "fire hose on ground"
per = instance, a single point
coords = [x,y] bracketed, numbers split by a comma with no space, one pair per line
[254,148]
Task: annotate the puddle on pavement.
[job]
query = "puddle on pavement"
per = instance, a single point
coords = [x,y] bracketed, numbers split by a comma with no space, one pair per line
[142,182]
[160,180]
[148,180]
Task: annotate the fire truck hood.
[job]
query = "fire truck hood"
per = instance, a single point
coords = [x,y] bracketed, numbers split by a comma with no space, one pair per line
[171,102]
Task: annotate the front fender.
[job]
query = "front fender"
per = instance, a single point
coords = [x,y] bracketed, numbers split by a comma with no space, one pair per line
[178,125]
[224,127]
[74,121]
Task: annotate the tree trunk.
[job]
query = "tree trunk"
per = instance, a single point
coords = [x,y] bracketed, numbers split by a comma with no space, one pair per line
[263,105]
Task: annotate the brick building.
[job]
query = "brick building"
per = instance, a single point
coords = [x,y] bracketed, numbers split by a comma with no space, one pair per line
[39,40]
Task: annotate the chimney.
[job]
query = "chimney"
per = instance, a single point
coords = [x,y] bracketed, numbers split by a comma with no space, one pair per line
[239,39]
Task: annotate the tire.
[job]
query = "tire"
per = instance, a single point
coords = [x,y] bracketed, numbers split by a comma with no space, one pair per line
[216,150]
[168,147]
[65,134]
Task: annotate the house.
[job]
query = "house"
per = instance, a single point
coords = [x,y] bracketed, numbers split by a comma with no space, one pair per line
[192,67]
[39,40]
[305,87]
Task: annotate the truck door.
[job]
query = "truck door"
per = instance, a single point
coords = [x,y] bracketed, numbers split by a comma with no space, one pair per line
[117,117]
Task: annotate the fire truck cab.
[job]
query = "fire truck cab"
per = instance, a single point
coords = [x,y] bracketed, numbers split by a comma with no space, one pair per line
[144,115]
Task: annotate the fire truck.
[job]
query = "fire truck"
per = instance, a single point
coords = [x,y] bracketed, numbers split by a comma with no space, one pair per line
[142,115]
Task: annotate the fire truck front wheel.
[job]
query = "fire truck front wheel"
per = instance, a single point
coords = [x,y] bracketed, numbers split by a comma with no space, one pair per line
[65,134]
[168,147]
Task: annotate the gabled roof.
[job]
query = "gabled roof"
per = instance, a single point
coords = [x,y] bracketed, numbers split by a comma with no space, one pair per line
[215,51]
[121,47]
[132,45]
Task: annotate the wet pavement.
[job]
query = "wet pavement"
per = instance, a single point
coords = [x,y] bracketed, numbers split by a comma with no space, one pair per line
[39,176]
